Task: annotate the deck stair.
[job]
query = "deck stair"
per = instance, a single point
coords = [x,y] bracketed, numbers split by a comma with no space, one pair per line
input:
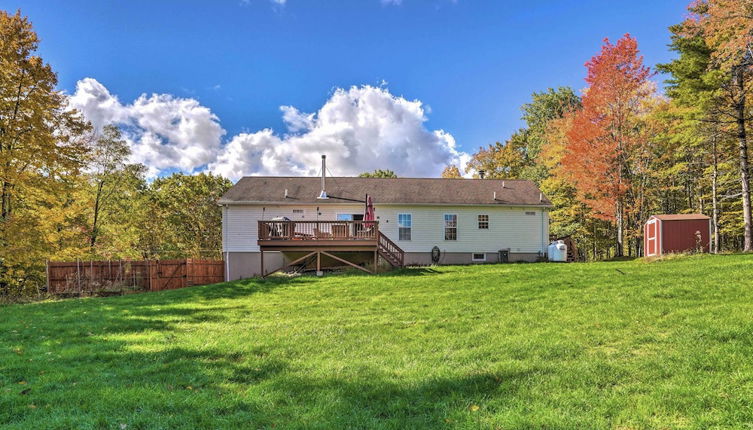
[389,250]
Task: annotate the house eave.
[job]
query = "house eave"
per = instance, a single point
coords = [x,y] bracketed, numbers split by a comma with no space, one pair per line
[295,203]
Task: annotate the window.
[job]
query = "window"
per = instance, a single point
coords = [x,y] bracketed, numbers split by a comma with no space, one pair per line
[478,256]
[530,213]
[404,226]
[450,227]
[483,222]
[297,211]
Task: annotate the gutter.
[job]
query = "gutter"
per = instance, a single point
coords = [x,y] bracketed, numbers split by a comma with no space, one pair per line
[514,205]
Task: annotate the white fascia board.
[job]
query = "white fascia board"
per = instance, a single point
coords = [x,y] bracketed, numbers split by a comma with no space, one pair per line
[519,205]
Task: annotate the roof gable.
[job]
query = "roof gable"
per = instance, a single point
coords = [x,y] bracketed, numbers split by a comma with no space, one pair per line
[679,217]
[419,191]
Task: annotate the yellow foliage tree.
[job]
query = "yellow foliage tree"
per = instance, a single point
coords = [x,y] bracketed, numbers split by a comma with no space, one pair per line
[451,172]
[42,146]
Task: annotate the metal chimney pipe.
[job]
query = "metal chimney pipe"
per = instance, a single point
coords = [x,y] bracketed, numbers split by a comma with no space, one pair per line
[323,194]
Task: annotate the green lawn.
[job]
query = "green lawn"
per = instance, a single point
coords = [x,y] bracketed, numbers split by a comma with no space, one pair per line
[626,345]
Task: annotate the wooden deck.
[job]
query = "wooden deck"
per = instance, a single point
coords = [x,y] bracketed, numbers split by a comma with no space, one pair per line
[319,238]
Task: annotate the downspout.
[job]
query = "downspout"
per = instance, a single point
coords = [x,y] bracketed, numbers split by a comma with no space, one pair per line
[544,241]
[227,266]
[542,233]
[224,243]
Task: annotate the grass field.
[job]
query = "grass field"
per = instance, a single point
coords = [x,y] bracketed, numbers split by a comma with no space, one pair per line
[626,345]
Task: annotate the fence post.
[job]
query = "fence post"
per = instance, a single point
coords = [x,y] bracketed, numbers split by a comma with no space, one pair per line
[187,274]
[78,275]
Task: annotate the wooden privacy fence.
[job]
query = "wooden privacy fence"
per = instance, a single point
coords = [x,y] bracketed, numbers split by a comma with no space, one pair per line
[87,277]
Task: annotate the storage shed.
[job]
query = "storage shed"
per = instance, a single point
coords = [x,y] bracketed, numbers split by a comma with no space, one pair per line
[664,234]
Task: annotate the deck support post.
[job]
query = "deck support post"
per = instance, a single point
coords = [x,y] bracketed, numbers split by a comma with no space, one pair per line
[319,264]
[262,262]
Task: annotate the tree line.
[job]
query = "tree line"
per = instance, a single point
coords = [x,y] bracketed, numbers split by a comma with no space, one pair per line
[621,151]
[607,158]
[67,191]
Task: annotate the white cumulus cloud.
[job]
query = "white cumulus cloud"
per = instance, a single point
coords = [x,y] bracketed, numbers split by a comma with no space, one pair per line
[360,129]
[164,131]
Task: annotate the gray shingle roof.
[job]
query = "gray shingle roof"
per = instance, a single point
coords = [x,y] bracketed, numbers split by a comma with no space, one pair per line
[304,190]
[680,217]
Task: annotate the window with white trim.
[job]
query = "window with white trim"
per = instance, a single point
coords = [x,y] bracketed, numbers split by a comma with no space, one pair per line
[478,256]
[483,222]
[450,227]
[404,226]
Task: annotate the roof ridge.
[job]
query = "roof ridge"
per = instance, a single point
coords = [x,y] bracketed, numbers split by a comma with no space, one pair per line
[404,177]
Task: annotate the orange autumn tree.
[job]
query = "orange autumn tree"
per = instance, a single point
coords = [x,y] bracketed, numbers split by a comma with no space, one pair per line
[606,132]
[726,26]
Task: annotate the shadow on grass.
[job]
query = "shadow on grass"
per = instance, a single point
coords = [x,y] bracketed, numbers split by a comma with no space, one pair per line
[188,388]
[413,271]
[75,362]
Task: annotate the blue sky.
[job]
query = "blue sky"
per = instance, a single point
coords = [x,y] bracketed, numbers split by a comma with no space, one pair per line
[471,63]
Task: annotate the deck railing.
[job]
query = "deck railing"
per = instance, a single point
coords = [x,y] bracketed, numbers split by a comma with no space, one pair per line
[318,230]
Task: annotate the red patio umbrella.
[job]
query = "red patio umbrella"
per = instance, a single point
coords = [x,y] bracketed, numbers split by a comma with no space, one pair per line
[369,214]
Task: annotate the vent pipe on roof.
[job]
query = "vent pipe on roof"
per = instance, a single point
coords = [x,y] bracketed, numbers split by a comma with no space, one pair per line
[323,193]
[481,173]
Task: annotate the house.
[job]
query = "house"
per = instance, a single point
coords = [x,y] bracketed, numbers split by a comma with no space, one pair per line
[271,222]
[664,234]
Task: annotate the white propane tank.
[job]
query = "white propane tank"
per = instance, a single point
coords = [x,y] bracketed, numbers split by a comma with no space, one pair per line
[557,251]
[551,250]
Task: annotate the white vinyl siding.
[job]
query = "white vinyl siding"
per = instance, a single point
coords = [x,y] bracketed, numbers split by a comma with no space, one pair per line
[509,227]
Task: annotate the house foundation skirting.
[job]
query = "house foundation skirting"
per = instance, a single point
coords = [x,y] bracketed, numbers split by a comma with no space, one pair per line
[424,258]
[241,265]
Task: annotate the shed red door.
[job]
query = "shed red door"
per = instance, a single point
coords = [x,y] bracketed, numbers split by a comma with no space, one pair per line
[652,237]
